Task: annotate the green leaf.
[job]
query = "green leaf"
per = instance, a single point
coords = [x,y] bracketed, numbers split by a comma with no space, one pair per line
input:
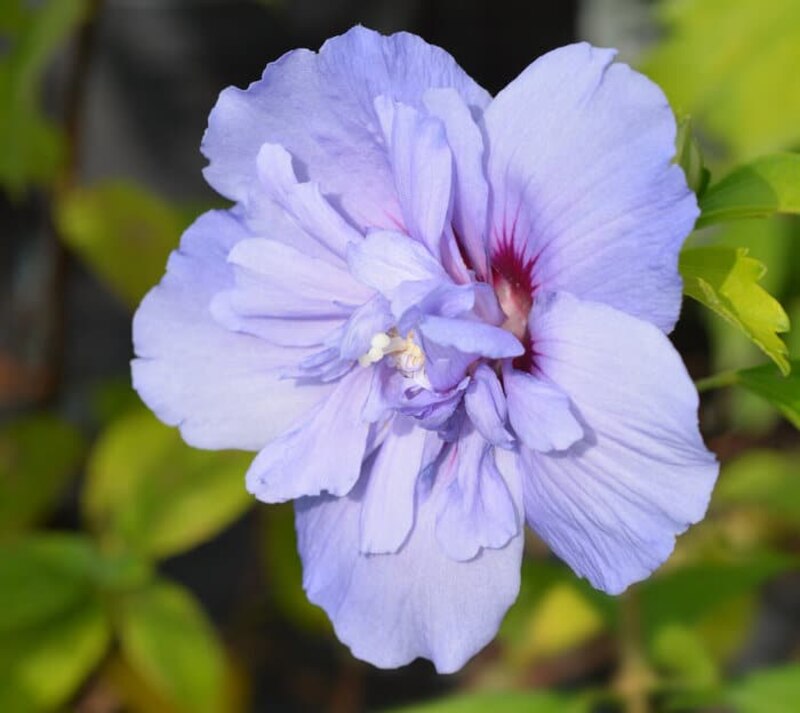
[783,392]
[688,594]
[150,491]
[167,638]
[730,65]
[726,281]
[284,572]
[775,690]
[42,576]
[502,702]
[123,233]
[42,667]
[112,398]
[765,479]
[37,456]
[31,146]
[36,33]
[690,159]
[766,186]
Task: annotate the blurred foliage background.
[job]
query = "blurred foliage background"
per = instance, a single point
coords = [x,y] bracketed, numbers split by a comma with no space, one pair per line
[137,575]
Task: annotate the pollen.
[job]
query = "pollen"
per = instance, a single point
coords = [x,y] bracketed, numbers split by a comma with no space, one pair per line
[404,353]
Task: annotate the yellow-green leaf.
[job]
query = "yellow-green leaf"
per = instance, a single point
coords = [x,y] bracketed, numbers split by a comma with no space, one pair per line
[766,186]
[539,578]
[562,620]
[123,232]
[731,66]
[683,656]
[166,637]
[726,281]
[147,489]
[770,242]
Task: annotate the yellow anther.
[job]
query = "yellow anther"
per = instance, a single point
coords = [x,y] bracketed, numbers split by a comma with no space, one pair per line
[380,341]
[405,354]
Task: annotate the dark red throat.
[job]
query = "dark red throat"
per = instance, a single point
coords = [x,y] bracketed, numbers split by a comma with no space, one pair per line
[514,285]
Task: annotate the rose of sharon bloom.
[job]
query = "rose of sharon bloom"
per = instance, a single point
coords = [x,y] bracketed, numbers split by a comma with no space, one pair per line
[439,316]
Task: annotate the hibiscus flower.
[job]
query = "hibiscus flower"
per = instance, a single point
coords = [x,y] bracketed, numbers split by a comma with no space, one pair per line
[439,316]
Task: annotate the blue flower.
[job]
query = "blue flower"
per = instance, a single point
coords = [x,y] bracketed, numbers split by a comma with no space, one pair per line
[438,316]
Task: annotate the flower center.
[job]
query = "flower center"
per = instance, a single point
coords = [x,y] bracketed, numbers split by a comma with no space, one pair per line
[516,305]
[513,282]
[404,354]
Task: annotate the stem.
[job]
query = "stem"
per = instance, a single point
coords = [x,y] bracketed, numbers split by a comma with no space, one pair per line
[76,92]
[717,381]
[73,124]
[634,680]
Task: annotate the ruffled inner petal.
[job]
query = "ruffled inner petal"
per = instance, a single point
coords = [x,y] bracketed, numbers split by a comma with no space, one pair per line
[470,337]
[470,189]
[369,319]
[387,512]
[319,107]
[540,413]
[274,279]
[391,609]
[384,260]
[320,454]
[222,388]
[486,406]
[422,166]
[477,510]
[303,201]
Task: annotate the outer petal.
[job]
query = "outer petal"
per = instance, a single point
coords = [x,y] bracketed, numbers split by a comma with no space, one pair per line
[612,504]
[390,609]
[320,108]
[321,454]
[580,169]
[222,388]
